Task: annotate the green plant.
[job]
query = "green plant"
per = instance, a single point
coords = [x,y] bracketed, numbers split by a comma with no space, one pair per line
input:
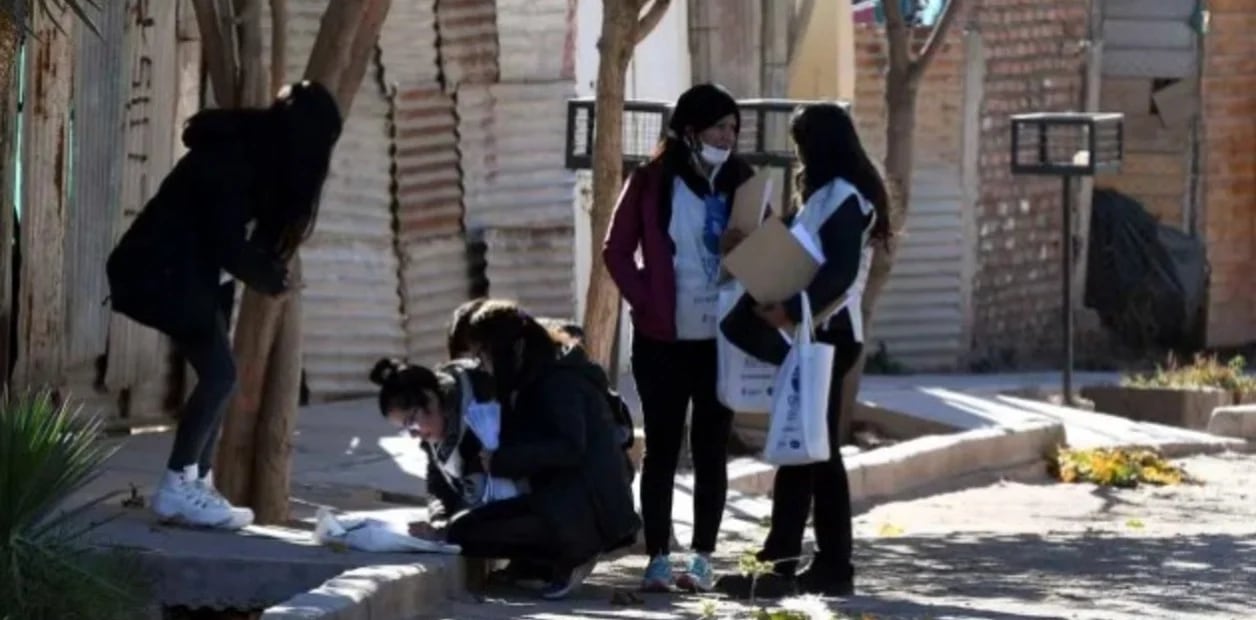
[48,568]
[1206,371]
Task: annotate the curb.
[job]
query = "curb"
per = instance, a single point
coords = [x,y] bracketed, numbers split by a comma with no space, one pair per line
[894,471]
[401,592]
[1238,422]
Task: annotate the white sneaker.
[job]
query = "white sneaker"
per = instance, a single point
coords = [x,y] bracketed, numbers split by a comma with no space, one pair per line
[241,517]
[181,499]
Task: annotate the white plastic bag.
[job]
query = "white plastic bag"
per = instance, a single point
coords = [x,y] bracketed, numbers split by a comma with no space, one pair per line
[375,535]
[744,383]
[799,431]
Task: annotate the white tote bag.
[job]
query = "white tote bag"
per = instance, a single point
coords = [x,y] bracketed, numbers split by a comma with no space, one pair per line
[744,383]
[799,431]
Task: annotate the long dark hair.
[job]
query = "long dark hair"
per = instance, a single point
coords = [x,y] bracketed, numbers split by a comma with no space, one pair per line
[457,343]
[306,125]
[698,108]
[517,345]
[829,148]
[565,333]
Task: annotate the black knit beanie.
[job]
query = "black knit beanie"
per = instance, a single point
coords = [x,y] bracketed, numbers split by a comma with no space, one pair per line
[701,107]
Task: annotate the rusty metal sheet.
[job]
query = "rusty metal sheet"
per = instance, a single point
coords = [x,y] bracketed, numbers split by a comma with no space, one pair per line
[511,141]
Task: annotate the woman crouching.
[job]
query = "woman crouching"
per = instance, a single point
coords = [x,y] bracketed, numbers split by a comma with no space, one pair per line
[557,434]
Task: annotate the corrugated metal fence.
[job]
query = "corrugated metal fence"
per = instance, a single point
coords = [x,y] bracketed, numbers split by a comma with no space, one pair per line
[454,143]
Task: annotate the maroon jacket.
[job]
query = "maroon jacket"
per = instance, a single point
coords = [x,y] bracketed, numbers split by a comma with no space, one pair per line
[641,220]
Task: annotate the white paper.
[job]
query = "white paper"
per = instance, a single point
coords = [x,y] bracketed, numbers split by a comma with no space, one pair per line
[808,242]
[767,195]
[373,535]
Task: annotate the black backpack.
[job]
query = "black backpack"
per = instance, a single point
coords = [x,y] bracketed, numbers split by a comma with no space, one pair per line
[621,415]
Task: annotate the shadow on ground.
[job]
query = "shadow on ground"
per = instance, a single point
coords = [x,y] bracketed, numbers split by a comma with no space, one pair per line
[1100,573]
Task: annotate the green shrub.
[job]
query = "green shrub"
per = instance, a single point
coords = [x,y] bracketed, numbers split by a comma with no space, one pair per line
[48,570]
[1203,372]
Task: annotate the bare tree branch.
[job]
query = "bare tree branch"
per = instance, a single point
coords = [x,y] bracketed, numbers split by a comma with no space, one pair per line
[252,72]
[228,29]
[936,39]
[362,53]
[336,32]
[647,22]
[898,37]
[278,45]
[221,71]
[797,26]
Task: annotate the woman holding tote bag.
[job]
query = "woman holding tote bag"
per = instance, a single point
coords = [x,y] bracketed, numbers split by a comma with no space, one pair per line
[845,207]
[675,209]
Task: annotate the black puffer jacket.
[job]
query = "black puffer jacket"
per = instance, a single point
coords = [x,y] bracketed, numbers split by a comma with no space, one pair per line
[166,268]
[560,437]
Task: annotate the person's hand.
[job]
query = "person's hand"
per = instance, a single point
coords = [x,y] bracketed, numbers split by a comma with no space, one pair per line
[775,315]
[730,240]
[273,279]
[423,529]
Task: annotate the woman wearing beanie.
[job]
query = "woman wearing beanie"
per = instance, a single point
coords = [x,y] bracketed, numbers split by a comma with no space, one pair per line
[675,209]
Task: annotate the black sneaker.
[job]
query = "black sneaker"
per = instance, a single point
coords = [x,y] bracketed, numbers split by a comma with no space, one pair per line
[523,574]
[821,580]
[769,586]
[559,589]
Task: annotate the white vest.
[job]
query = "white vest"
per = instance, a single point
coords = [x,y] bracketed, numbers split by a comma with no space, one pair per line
[814,213]
[697,269]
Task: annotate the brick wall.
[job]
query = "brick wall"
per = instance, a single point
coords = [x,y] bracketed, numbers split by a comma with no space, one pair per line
[1156,167]
[1034,62]
[1229,113]
[939,109]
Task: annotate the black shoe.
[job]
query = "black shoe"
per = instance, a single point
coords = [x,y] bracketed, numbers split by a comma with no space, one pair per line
[524,574]
[559,589]
[769,586]
[822,580]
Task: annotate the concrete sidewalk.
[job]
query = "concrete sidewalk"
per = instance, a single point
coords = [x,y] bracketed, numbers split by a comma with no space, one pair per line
[348,457]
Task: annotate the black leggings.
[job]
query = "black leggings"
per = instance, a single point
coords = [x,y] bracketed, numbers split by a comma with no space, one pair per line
[669,375]
[197,435]
[797,488]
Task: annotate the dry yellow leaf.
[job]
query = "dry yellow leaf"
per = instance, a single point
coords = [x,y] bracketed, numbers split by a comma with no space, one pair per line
[889,529]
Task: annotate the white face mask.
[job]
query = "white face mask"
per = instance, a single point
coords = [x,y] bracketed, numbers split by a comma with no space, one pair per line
[714,155]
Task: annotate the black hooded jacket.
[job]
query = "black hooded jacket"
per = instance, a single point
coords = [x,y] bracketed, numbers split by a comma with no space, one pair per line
[166,268]
[561,438]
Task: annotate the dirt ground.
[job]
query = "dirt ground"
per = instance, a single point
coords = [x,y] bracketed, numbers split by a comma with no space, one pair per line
[1007,551]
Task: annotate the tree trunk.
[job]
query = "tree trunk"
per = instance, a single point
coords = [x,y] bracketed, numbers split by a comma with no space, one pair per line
[234,55]
[278,45]
[254,457]
[601,310]
[623,27]
[902,83]
[272,471]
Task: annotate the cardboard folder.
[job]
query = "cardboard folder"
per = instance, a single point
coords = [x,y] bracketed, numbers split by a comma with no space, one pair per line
[750,202]
[775,263]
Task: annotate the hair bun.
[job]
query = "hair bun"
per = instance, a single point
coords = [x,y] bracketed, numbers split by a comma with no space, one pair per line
[386,370]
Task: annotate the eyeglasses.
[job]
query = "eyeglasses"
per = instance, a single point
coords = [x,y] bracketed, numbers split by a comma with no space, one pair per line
[411,421]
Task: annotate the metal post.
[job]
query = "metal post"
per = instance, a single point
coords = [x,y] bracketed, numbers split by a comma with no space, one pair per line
[1066,250]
